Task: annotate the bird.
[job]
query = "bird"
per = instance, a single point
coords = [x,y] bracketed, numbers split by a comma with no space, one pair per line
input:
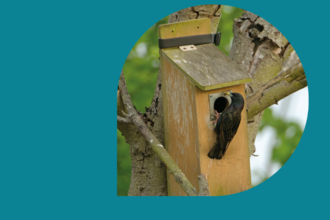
[226,125]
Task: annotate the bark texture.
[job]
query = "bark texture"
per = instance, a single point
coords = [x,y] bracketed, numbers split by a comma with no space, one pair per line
[203,11]
[135,118]
[272,63]
[203,186]
[148,174]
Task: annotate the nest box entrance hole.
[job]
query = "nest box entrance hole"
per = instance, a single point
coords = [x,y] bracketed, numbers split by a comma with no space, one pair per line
[218,102]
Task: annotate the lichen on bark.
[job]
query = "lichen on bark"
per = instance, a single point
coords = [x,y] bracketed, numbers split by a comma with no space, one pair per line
[264,53]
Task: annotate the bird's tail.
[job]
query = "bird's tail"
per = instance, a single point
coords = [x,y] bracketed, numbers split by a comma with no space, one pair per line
[216,152]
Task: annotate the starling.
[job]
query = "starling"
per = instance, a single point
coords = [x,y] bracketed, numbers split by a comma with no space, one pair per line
[226,125]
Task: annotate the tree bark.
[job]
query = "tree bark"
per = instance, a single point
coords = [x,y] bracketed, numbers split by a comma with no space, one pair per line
[134,117]
[202,11]
[203,186]
[267,56]
[148,174]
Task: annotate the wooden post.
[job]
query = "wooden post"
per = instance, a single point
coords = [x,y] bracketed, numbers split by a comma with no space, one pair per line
[188,78]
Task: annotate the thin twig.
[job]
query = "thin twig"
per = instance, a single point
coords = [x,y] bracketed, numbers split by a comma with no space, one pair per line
[157,147]
[124,120]
[203,186]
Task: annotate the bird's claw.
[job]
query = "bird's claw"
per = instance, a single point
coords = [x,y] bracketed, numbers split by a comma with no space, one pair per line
[217,115]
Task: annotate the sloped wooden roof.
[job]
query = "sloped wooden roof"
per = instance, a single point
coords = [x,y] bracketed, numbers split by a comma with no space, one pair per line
[207,67]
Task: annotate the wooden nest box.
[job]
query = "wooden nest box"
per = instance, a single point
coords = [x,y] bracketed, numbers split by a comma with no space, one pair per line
[193,83]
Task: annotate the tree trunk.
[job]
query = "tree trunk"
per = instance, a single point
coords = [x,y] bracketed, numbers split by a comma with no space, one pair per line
[264,53]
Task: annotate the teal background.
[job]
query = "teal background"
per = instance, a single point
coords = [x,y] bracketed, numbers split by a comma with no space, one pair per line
[59,69]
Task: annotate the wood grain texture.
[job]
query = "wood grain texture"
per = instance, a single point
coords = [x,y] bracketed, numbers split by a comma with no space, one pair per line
[208,67]
[232,173]
[180,123]
[180,119]
[186,28]
[189,136]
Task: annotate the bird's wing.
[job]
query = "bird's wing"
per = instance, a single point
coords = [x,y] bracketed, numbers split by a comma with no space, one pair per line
[225,124]
[230,125]
[236,119]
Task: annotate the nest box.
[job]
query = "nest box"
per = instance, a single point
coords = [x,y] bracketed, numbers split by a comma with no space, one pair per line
[194,78]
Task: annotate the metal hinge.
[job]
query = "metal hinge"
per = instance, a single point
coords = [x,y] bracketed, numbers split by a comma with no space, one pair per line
[188,48]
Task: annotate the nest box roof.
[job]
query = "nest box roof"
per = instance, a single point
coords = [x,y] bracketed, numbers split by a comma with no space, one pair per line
[207,67]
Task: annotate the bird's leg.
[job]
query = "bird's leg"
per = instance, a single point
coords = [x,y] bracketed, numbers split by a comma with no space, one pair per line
[217,115]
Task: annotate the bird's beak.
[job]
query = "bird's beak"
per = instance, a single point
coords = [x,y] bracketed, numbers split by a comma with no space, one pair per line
[226,93]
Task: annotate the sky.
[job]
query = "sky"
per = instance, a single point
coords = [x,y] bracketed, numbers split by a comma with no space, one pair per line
[293,107]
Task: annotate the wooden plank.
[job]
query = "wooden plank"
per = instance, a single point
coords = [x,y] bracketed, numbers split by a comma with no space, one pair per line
[186,28]
[208,67]
[232,173]
[180,123]
[180,120]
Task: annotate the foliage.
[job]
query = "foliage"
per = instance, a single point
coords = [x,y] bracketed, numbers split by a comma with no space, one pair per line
[226,27]
[123,166]
[141,67]
[288,136]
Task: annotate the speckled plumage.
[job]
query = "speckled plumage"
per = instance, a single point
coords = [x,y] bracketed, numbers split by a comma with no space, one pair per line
[226,126]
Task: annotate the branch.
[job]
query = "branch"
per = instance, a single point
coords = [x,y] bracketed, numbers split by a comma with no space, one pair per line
[124,120]
[157,147]
[264,53]
[203,186]
[284,84]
